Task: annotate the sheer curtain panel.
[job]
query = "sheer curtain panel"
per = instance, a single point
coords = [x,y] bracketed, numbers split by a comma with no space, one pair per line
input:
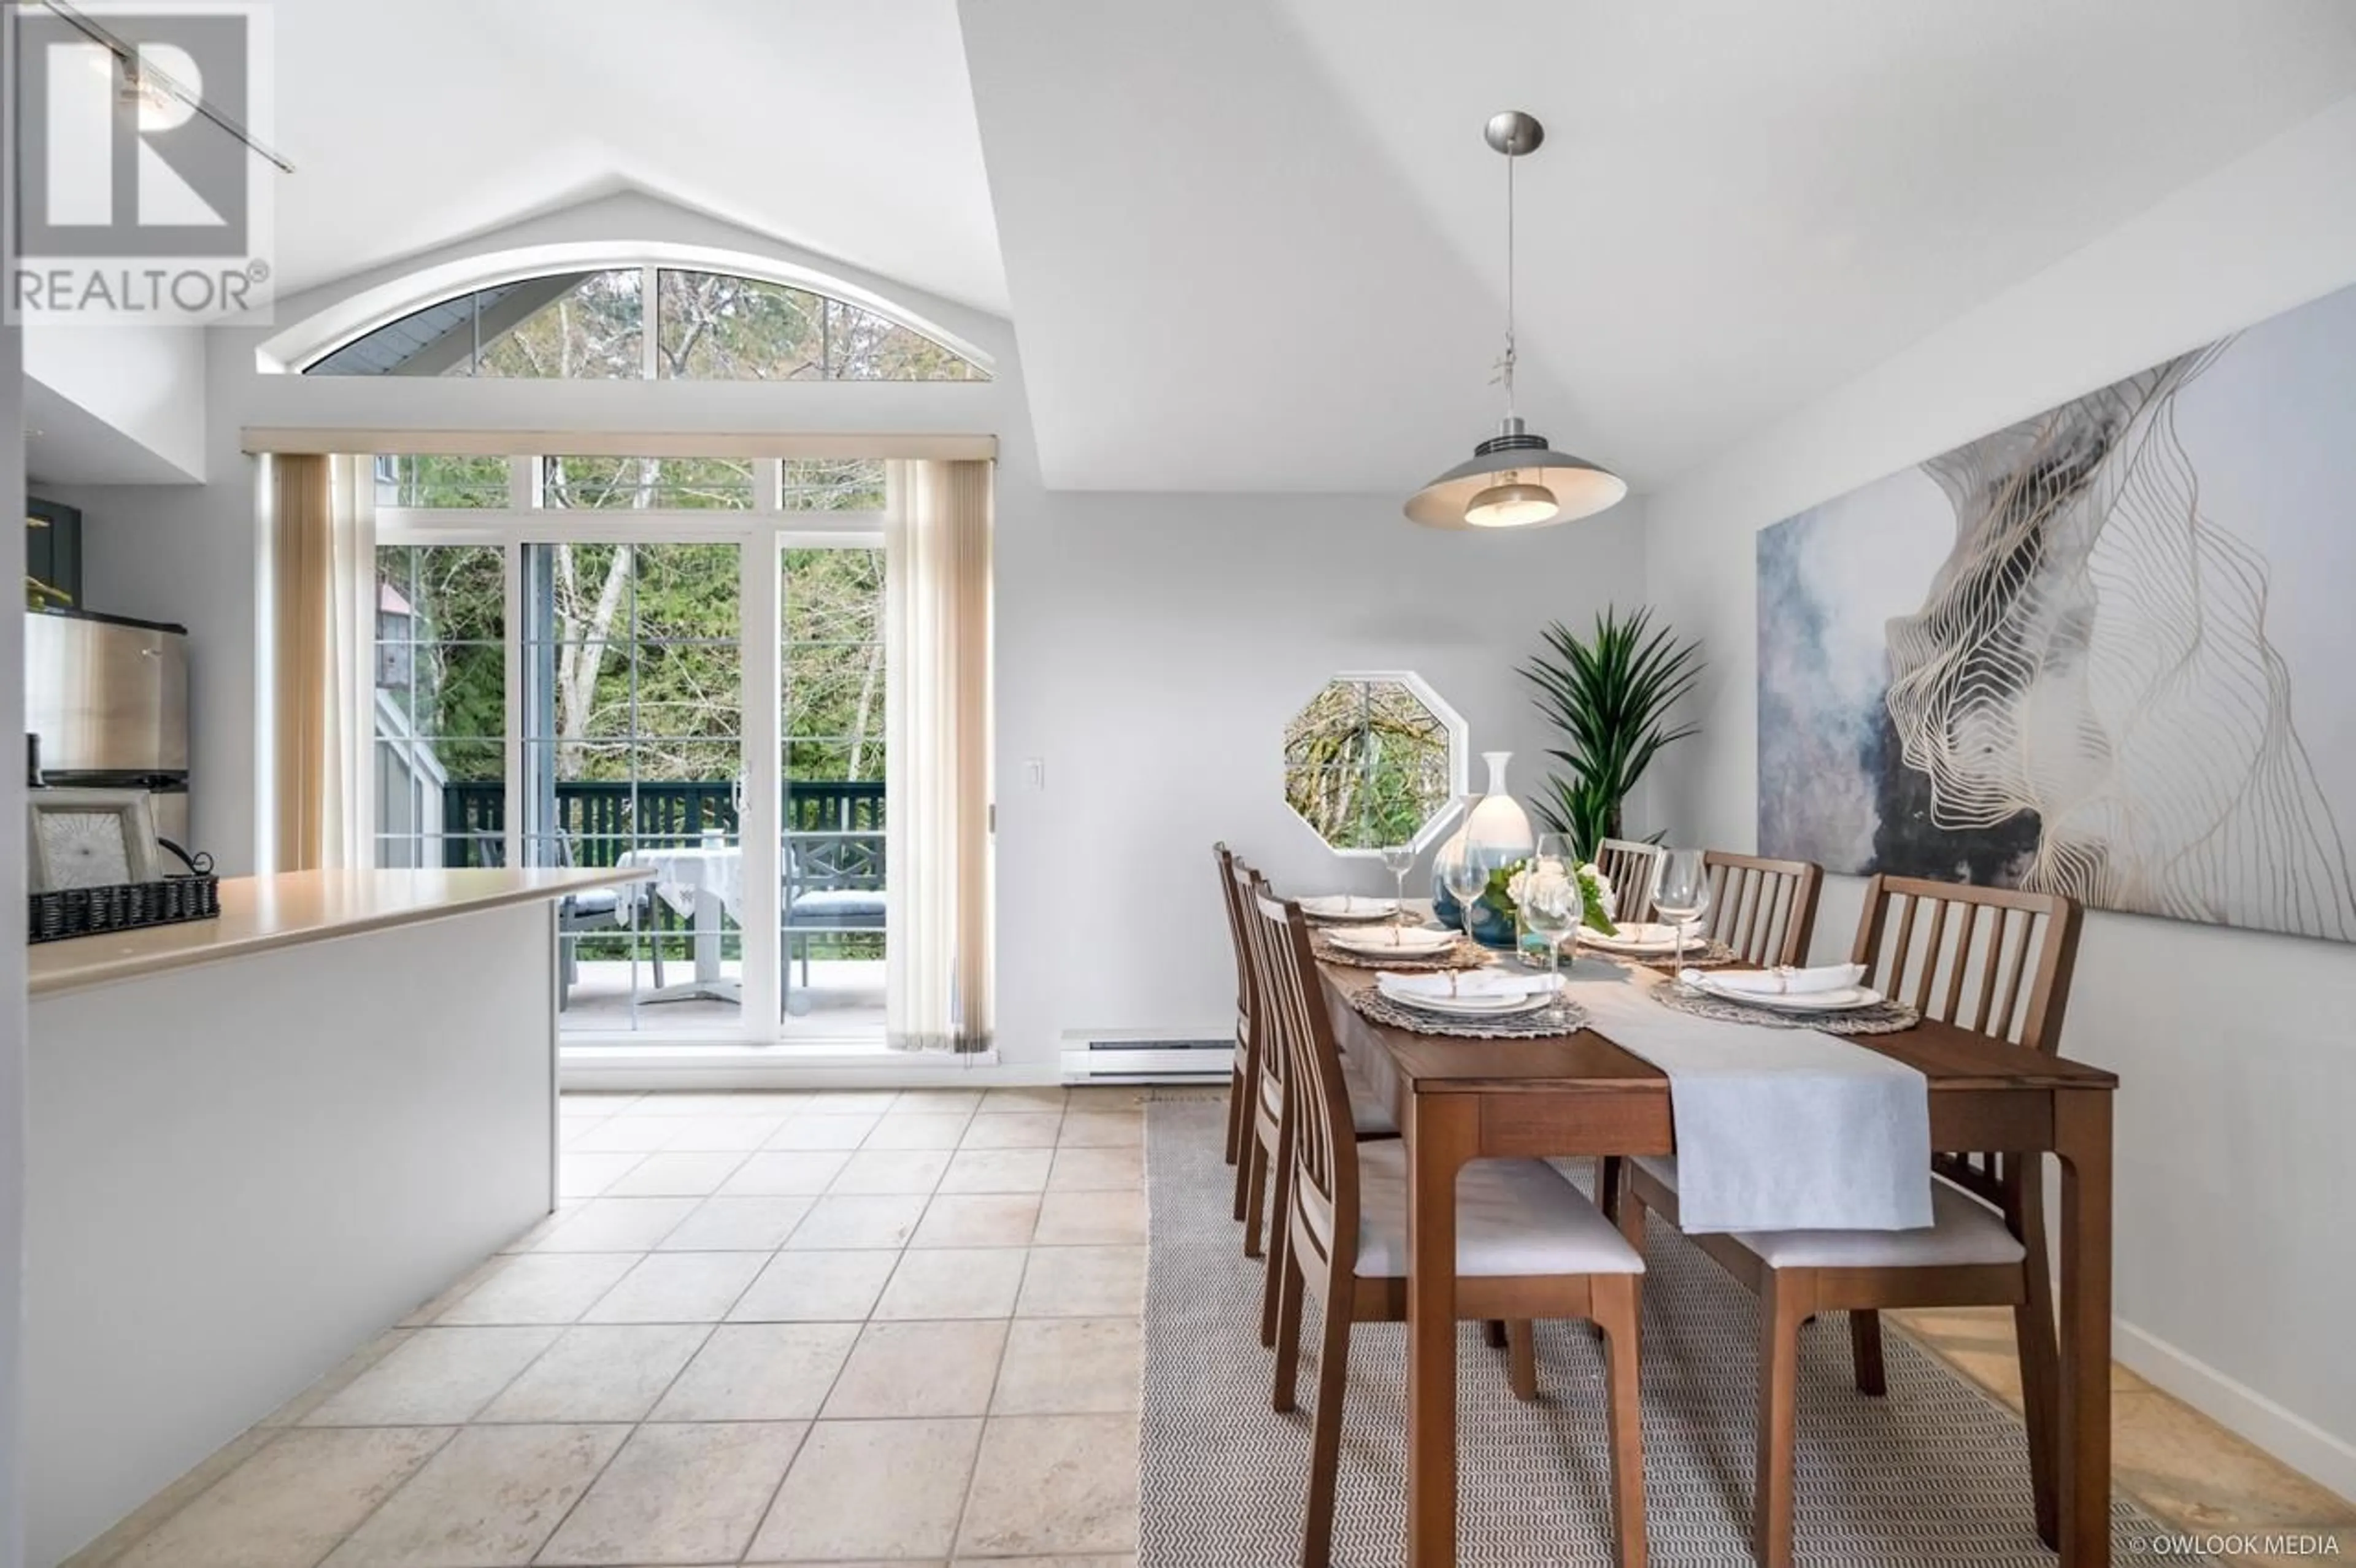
[937,757]
[322,549]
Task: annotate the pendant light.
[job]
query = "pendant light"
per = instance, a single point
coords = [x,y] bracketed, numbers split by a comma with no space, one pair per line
[1514,479]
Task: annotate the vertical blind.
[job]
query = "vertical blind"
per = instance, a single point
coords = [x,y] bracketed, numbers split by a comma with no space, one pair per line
[937,661]
[321,547]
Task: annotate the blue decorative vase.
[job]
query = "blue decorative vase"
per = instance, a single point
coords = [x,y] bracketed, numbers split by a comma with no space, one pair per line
[1497,832]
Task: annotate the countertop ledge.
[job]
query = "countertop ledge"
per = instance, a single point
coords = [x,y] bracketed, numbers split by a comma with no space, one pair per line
[261,915]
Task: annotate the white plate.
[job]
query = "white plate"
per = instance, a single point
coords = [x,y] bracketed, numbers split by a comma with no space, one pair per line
[1467,1006]
[1408,942]
[1845,1000]
[1350,906]
[1640,937]
[1461,1007]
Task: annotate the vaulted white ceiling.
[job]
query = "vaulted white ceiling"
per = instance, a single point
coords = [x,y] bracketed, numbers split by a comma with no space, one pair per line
[1258,244]
[843,126]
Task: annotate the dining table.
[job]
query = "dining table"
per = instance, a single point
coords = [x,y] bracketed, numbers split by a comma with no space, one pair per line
[1457,1100]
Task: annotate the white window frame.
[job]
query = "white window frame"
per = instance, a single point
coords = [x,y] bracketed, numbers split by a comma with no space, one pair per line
[1459,756]
[295,349]
[762,535]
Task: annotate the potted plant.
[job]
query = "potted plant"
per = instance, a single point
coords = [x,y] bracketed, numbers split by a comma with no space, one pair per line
[1610,696]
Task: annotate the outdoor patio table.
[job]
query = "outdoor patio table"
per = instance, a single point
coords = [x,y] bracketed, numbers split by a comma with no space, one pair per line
[705,882]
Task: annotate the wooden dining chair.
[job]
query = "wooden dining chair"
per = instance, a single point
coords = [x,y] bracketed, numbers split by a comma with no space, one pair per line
[1244,1073]
[1764,910]
[1633,869]
[1267,1156]
[2005,975]
[1529,1245]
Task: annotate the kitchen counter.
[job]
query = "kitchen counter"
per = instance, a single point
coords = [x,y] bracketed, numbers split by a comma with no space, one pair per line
[253,1144]
[261,914]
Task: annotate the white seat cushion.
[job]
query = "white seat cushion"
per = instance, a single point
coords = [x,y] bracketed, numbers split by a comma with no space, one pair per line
[1514,1218]
[1964,1231]
[838,903]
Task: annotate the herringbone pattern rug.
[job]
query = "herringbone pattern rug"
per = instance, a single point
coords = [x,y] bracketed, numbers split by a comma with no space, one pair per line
[1935,1474]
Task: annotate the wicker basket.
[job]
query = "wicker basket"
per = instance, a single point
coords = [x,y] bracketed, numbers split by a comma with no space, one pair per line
[129,906]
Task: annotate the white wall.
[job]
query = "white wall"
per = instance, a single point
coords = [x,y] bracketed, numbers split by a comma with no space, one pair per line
[1149,649]
[2234,1260]
[1149,646]
[147,383]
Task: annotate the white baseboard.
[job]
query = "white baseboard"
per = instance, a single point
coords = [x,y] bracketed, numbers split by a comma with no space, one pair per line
[2328,1460]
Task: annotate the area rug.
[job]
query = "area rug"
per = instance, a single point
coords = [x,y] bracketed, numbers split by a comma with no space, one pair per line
[1934,1473]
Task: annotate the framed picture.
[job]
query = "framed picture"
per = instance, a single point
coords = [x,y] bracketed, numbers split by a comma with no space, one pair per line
[89,838]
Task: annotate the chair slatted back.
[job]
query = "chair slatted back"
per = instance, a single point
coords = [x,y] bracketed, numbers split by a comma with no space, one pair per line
[1993,961]
[1635,872]
[1264,1052]
[1763,909]
[1231,898]
[1325,1139]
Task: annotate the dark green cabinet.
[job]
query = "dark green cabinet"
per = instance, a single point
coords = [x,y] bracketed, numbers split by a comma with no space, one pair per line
[52,552]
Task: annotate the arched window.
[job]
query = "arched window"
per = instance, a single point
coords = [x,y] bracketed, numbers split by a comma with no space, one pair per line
[593,326]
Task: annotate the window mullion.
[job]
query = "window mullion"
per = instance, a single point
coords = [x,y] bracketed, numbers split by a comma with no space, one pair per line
[761,825]
[512,746]
[649,322]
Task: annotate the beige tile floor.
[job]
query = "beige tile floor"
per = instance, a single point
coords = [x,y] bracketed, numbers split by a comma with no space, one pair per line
[846,1329]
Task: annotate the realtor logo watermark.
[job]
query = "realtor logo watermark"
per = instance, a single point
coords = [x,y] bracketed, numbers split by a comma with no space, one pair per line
[132,206]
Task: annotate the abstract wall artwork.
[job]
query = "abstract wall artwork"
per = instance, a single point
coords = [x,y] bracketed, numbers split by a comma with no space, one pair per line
[2109,651]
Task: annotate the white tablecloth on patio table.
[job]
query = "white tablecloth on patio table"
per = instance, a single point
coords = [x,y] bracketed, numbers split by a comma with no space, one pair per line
[1778,1129]
[684,872]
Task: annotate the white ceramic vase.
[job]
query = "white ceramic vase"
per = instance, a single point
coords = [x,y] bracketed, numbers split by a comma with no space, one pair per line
[1498,832]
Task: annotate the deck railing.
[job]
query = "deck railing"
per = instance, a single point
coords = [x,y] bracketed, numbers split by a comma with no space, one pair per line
[597,820]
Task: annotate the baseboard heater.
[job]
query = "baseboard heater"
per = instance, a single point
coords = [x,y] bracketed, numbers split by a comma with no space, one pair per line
[1144,1056]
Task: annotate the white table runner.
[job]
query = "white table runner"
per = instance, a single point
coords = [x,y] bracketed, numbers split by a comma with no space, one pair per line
[1778,1129]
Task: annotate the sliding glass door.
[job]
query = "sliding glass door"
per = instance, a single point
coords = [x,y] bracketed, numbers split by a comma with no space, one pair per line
[672,664]
[633,755]
[830,641]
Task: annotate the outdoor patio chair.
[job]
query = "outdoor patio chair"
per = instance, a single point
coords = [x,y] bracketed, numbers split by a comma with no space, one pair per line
[834,884]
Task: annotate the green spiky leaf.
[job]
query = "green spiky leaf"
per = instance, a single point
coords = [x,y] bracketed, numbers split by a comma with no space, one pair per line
[1610,696]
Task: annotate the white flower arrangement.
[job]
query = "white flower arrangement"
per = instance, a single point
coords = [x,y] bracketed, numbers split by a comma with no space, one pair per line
[1552,884]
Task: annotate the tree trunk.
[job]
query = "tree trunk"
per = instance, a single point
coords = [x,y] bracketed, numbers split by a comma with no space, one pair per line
[868,678]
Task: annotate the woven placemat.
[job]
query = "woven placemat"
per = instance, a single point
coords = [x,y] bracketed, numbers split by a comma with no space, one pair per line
[1464,956]
[1567,1018]
[1883,1017]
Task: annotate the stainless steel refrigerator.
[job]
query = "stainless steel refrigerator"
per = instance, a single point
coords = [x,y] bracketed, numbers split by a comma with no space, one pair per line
[108,698]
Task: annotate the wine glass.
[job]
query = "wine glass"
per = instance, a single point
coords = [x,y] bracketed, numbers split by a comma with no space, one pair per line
[1551,906]
[1683,893]
[1466,879]
[1556,850]
[1398,859]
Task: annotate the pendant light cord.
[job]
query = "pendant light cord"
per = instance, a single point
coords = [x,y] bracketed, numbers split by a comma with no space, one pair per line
[1509,285]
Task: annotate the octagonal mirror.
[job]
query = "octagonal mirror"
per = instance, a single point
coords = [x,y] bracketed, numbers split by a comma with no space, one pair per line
[1374,759]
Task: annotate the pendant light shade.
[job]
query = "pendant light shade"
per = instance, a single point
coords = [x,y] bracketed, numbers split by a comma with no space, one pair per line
[1514,479]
